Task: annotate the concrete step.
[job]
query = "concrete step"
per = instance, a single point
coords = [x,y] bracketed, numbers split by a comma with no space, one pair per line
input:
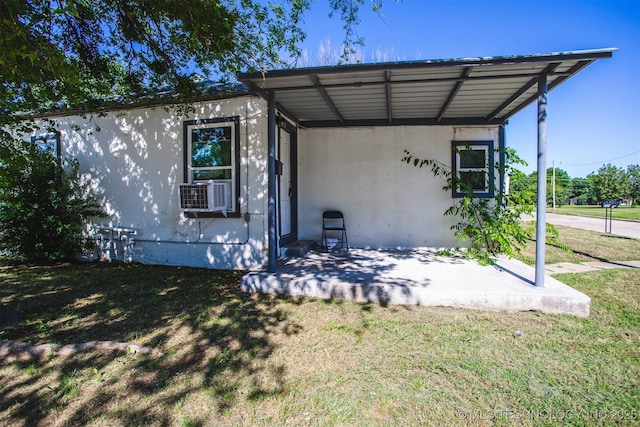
[298,248]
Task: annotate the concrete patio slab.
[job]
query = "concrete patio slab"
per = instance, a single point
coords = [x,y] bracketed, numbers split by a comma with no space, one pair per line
[567,267]
[602,265]
[417,277]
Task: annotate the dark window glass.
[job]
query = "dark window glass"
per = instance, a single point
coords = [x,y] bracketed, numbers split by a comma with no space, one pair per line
[477,180]
[211,147]
[211,174]
[472,159]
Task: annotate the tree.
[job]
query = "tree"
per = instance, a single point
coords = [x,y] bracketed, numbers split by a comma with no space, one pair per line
[562,186]
[521,185]
[75,53]
[609,183]
[633,172]
[79,55]
[581,190]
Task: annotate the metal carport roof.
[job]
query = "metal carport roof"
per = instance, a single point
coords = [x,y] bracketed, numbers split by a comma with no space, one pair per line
[484,90]
[467,91]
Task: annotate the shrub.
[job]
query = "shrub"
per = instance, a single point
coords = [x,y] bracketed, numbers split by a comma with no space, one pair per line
[493,225]
[43,204]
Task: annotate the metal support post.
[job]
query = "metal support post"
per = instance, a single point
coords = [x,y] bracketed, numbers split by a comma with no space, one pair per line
[541,209]
[608,217]
[502,156]
[271,180]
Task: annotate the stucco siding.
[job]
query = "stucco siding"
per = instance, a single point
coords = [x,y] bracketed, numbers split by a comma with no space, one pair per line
[134,160]
[387,203]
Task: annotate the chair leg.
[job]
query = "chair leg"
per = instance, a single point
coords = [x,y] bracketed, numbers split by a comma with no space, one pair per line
[344,240]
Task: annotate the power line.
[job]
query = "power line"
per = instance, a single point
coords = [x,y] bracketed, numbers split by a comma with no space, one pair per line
[601,162]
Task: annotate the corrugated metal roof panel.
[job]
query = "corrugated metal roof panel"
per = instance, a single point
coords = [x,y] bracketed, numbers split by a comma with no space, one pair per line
[493,88]
[434,74]
[331,79]
[357,93]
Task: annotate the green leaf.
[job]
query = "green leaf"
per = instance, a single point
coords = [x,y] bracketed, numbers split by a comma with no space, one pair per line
[492,226]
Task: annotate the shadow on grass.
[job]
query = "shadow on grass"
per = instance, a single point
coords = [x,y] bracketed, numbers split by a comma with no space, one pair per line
[214,340]
[615,236]
[597,258]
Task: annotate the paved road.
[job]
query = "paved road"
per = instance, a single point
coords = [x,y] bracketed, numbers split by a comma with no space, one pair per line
[621,228]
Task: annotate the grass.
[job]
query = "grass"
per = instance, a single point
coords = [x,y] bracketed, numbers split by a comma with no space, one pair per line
[585,246]
[621,212]
[234,359]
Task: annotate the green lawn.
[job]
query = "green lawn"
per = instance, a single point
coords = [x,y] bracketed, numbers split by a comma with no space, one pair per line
[585,245]
[233,359]
[621,212]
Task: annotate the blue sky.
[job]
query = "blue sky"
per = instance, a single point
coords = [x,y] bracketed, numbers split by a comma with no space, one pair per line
[594,117]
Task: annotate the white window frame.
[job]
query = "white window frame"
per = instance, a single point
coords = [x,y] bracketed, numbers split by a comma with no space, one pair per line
[233,123]
[192,169]
[487,148]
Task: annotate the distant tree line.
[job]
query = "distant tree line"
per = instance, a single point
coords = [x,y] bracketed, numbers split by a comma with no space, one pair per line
[609,183]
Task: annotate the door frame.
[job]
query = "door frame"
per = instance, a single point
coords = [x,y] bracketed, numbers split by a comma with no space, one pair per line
[285,126]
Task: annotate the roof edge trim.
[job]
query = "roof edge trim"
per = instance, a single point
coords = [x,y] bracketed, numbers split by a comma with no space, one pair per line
[429,63]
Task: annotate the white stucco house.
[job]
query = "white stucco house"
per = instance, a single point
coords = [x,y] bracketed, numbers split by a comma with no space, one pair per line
[272,154]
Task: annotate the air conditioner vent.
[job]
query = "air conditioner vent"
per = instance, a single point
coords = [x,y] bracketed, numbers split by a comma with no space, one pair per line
[210,196]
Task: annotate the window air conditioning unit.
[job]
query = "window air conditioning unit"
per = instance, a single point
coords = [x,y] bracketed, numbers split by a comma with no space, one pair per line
[209,196]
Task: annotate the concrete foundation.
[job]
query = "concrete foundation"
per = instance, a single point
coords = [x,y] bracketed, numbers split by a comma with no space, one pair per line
[417,277]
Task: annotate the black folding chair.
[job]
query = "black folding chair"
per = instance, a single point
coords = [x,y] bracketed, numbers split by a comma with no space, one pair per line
[333,225]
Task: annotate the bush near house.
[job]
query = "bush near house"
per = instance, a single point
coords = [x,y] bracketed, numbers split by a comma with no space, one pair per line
[491,224]
[43,205]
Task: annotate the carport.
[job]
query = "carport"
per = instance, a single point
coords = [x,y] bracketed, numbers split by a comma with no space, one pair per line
[466,91]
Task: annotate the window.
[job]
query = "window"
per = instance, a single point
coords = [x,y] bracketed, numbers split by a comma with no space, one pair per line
[49,142]
[472,166]
[212,152]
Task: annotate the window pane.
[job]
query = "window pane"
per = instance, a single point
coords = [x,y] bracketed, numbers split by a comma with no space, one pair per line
[211,147]
[211,174]
[472,159]
[477,180]
[48,143]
